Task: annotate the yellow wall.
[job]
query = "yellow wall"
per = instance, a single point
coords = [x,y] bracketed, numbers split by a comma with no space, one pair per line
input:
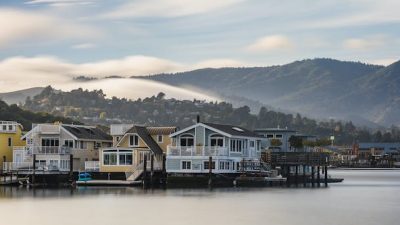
[6,150]
[166,141]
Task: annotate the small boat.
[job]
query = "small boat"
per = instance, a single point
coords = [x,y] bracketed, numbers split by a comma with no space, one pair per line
[84,177]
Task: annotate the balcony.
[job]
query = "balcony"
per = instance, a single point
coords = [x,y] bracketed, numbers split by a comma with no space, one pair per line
[28,166]
[197,151]
[44,150]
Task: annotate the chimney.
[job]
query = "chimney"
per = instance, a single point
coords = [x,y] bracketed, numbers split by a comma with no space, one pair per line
[198,118]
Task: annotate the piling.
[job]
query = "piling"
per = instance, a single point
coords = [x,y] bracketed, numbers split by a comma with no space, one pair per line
[144,170]
[296,175]
[312,176]
[34,169]
[71,168]
[151,169]
[304,176]
[326,176]
[164,170]
[210,171]
[318,177]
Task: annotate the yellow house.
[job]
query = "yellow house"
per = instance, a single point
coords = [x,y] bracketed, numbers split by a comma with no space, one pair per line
[10,136]
[127,155]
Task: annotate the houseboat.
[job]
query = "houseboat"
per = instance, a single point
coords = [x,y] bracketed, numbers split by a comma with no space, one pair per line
[232,149]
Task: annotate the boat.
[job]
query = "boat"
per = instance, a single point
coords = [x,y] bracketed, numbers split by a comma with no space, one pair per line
[84,177]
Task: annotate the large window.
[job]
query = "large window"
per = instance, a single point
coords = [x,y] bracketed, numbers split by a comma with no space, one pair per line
[125,157]
[134,140]
[207,165]
[69,143]
[186,140]
[238,145]
[50,142]
[216,140]
[110,158]
[186,165]
[224,165]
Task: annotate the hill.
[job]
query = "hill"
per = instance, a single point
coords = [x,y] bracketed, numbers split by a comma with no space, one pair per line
[92,107]
[17,97]
[320,88]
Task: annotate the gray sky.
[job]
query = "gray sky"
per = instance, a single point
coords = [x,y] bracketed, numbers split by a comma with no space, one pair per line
[54,40]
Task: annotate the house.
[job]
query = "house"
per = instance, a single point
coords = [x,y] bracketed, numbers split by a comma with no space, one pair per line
[52,145]
[283,135]
[130,149]
[232,148]
[367,150]
[10,136]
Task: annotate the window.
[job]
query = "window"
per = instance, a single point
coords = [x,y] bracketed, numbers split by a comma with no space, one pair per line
[278,136]
[69,143]
[4,127]
[270,136]
[186,165]
[83,145]
[207,165]
[258,145]
[9,142]
[125,157]
[50,142]
[134,140]
[216,140]
[117,139]
[110,158]
[159,138]
[224,165]
[237,145]
[251,144]
[186,140]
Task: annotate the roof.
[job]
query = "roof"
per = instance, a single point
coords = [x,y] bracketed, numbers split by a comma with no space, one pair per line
[274,130]
[87,132]
[161,130]
[233,130]
[146,137]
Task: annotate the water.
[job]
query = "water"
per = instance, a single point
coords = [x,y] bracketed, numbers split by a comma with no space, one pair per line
[365,197]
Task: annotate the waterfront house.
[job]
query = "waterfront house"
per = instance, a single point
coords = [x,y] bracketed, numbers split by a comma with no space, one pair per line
[132,147]
[280,135]
[52,145]
[10,136]
[371,151]
[232,148]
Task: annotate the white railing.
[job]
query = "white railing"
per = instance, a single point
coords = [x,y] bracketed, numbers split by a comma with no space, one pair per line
[28,166]
[43,150]
[197,151]
[48,128]
[92,166]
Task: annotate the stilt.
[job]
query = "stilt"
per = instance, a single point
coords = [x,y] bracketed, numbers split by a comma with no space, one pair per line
[151,169]
[304,176]
[288,178]
[34,170]
[326,176]
[71,168]
[210,171]
[318,177]
[164,170]
[144,170]
[297,174]
[312,176]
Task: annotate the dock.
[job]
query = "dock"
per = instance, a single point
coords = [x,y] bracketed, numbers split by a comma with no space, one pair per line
[108,183]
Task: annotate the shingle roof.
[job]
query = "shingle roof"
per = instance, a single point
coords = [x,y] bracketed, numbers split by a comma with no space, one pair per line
[145,136]
[87,132]
[233,130]
[161,130]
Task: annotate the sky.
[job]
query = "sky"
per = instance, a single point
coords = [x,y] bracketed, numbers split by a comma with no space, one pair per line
[51,41]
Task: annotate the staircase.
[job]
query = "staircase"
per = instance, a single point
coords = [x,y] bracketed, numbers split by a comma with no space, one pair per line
[134,174]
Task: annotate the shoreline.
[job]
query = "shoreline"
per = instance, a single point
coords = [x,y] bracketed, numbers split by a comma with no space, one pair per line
[369,168]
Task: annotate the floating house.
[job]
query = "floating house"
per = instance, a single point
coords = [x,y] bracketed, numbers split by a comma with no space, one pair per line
[283,135]
[133,147]
[51,145]
[10,136]
[232,150]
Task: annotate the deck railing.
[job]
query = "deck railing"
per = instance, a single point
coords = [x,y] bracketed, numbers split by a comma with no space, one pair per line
[92,166]
[197,151]
[44,150]
[28,166]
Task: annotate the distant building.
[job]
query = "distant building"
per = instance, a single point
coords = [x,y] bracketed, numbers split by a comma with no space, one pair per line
[283,135]
[10,136]
[365,150]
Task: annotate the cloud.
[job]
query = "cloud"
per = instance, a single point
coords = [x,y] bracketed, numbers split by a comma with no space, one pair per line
[19,25]
[365,43]
[220,63]
[84,46]
[170,8]
[384,62]
[268,43]
[59,2]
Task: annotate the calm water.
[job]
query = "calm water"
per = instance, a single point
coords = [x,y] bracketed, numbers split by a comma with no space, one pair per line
[365,197]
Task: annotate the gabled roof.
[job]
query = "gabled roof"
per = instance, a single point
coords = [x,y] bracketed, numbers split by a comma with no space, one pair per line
[146,137]
[227,130]
[87,132]
[161,130]
[234,130]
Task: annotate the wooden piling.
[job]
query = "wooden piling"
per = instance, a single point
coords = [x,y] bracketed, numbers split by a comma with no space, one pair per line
[210,171]
[71,168]
[312,176]
[151,169]
[164,170]
[34,169]
[318,177]
[326,176]
[144,170]
[296,175]
[304,176]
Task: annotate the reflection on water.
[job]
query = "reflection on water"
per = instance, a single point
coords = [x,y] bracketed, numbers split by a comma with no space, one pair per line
[365,197]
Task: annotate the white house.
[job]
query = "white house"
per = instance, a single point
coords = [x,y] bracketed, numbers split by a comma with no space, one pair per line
[52,145]
[233,149]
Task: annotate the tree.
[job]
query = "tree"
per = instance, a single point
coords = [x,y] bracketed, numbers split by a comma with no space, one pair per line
[276,142]
[296,142]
